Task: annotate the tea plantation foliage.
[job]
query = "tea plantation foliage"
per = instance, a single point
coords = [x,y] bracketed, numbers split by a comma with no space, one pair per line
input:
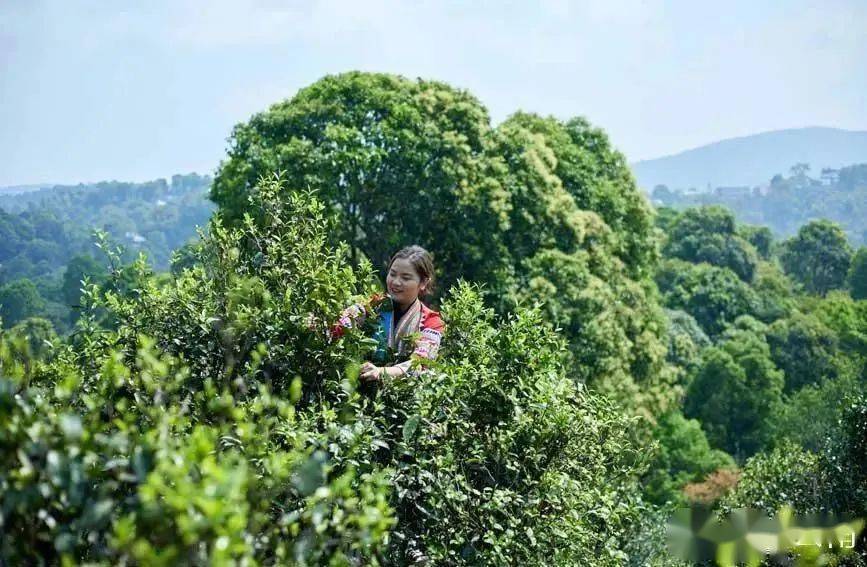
[212,424]
[602,364]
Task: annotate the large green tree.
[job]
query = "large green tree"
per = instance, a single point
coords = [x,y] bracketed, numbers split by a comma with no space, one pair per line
[580,240]
[804,349]
[735,392]
[577,158]
[714,296]
[818,256]
[708,234]
[398,161]
[19,300]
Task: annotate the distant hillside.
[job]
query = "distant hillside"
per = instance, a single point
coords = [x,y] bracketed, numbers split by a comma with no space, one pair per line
[46,231]
[790,202]
[19,189]
[753,160]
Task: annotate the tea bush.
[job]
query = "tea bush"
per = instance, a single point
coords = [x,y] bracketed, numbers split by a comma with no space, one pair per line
[207,418]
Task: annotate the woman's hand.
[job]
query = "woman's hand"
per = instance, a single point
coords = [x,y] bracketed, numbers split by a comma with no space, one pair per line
[370,371]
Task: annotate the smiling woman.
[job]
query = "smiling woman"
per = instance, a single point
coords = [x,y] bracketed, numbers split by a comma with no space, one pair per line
[406,327]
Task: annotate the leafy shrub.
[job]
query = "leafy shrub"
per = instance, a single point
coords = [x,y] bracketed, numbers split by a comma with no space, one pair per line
[786,475]
[833,479]
[507,461]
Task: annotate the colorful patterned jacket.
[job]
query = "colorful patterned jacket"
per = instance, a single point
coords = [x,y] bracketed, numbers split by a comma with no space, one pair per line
[420,328]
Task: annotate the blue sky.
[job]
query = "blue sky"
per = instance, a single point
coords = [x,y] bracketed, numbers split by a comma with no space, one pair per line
[95,90]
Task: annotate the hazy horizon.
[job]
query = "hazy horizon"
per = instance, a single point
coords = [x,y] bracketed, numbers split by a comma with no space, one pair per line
[91,93]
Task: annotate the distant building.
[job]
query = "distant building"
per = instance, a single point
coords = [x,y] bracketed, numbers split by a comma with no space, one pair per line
[830,176]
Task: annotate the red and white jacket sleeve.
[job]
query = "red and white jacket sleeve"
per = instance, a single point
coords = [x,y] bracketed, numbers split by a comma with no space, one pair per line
[428,344]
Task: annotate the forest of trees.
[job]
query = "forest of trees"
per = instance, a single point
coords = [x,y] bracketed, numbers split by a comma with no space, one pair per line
[47,240]
[604,361]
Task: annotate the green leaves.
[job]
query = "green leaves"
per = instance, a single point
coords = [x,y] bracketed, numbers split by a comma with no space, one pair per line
[499,444]
[163,441]
[410,427]
[735,392]
[708,234]
[818,256]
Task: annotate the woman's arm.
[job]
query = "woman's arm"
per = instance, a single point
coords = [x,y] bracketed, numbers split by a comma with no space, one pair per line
[370,371]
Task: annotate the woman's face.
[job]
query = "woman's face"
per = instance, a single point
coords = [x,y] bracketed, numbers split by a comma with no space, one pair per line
[403,282]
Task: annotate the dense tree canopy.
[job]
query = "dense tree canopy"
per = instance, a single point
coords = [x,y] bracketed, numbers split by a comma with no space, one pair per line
[774,389]
[804,349]
[709,234]
[714,296]
[818,257]
[760,237]
[46,235]
[830,480]
[399,161]
[579,159]
[787,203]
[19,300]
[684,456]
[735,392]
[45,228]
[686,338]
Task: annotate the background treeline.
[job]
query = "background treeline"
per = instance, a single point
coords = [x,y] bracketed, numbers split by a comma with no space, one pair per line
[603,361]
[787,203]
[771,341]
[47,238]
